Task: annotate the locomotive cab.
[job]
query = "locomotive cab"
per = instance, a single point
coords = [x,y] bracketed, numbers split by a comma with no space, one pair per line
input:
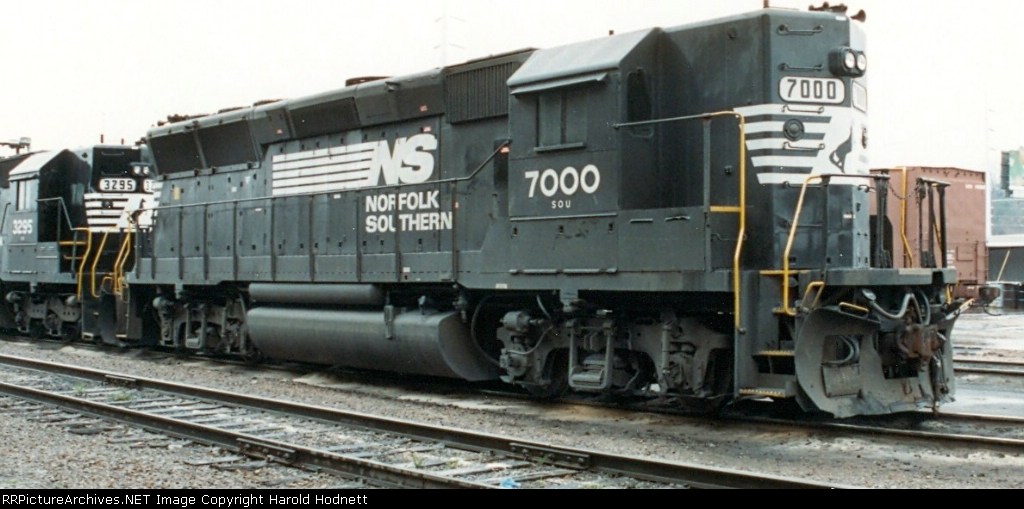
[567,159]
[46,206]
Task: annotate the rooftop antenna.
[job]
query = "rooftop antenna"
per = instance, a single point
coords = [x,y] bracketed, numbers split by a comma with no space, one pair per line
[19,144]
[443,20]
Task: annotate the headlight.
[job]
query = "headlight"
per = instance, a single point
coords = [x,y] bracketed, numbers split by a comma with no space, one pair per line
[849,60]
[845,61]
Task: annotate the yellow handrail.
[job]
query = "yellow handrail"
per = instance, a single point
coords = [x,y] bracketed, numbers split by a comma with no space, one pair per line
[96,261]
[740,208]
[820,286]
[907,252]
[789,245]
[122,258]
[85,258]
[850,305]
[786,272]
[743,221]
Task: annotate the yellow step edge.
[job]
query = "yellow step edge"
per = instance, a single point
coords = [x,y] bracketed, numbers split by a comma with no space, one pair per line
[775,353]
[780,272]
[759,391]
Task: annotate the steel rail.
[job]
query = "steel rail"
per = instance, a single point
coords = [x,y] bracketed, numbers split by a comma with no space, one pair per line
[687,474]
[883,430]
[1016,443]
[975,366]
[242,443]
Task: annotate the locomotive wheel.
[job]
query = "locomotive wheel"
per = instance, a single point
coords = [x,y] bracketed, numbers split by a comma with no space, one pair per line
[36,329]
[71,332]
[52,324]
[556,371]
[250,354]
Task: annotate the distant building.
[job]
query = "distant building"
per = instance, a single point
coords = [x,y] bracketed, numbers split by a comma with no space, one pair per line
[1006,245]
[1008,198]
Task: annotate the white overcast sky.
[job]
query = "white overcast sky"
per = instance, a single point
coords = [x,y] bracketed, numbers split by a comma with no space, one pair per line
[946,76]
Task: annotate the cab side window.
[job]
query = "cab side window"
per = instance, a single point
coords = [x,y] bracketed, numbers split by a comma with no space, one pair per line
[562,118]
[27,192]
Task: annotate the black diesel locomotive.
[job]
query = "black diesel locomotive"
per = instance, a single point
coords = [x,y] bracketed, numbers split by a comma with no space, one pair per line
[66,233]
[682,212]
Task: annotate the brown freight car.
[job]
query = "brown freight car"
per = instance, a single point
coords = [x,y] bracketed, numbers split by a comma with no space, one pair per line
[914,214]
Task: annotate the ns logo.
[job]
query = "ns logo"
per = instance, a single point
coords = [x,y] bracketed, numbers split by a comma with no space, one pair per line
[411,161]
[374,163]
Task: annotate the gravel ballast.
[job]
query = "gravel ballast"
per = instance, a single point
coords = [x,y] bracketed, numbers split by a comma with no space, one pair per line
[46,456]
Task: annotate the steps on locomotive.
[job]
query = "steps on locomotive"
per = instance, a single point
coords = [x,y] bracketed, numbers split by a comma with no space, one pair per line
[788,391]
[792,282]
[775,361]
[776,375]
[595,375]
[597,371]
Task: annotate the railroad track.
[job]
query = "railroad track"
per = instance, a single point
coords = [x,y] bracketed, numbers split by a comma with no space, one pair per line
[971,429]
[988,367]
[964,365]
[382,451]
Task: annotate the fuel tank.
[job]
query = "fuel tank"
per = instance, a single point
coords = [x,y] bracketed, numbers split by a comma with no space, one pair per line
[431,343]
